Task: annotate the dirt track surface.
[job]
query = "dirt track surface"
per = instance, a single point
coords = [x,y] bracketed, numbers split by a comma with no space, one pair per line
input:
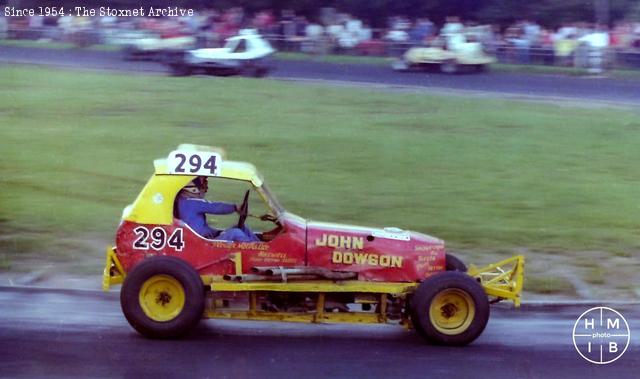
[601,89]
[82,334]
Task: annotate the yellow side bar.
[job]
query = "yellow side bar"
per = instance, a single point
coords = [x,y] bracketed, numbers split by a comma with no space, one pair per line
[356,318]
[503,279]
[317,286]
[109,277]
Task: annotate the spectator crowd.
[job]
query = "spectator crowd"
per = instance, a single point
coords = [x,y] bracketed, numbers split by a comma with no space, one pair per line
[331,31]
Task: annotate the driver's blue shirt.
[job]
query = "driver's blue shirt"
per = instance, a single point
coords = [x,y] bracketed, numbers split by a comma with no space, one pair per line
[193,212]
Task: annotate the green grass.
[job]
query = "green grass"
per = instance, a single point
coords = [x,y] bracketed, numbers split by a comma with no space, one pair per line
[482,174]
[53,45]
[549,285]
[5,262]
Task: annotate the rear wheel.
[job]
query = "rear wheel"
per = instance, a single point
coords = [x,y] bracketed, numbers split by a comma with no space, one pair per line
[450,308]
[129,53]
[251,70]
[180,69]
[162,297]
[400,65]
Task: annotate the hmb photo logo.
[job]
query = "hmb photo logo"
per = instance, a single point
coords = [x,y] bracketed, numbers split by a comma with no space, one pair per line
[601,335]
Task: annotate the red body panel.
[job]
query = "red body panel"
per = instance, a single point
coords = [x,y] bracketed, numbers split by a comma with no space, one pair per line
[211,257]
[376,255]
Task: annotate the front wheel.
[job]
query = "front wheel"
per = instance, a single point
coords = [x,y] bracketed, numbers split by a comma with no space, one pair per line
[449,67]
[450,308]
[453,263]
[162,297]
[400,65]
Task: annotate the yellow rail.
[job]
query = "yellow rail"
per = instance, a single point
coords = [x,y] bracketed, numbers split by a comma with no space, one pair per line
[503,279]
[317,286]
[113,272]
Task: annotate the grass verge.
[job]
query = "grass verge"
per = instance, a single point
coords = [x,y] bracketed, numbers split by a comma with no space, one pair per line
[46,44]
[483,174]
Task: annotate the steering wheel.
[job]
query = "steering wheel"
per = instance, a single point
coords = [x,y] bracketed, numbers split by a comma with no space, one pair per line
[243,210]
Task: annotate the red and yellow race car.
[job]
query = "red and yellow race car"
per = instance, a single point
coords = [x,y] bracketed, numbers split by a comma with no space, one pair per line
[299,270]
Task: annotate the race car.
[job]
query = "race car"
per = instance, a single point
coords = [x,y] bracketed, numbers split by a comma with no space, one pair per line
[245,54]
[149,45]
[450,53]
[299,270]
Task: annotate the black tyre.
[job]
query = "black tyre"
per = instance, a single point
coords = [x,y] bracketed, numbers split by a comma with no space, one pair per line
[449,67]
[262,72]
[450,308]
[180,69]
[252,69]
[129,53]
[162,297]
[481,68]
[453,263]
[400,65]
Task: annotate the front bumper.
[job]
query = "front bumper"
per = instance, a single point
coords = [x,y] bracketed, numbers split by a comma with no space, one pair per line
[502,280]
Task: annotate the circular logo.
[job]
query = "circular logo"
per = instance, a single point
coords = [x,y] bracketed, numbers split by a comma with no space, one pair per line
[601,335]
[158,198]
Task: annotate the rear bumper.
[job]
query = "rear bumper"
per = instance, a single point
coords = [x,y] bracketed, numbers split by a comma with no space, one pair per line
[113,272]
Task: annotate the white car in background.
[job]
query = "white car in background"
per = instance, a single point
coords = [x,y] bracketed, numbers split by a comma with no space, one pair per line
[245,54]
[141,44]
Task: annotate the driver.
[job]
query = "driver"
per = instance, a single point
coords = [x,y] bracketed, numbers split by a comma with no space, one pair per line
[192,208]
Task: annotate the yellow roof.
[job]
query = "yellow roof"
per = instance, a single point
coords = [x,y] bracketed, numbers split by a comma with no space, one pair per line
[229,169]
[154,204]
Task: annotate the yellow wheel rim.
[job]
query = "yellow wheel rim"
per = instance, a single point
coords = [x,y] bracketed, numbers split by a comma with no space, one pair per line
[161,298]
[452,311]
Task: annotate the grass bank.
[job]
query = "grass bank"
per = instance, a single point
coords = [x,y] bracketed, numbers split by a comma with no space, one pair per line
[491,175]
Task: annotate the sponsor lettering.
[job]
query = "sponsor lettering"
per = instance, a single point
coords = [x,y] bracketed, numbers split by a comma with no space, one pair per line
[349,258]
[341,242]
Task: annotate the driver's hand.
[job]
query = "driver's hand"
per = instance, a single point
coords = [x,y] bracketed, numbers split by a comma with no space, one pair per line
[237,208]
[267,217]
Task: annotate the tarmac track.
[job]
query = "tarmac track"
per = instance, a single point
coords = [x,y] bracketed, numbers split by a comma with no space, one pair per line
[600,89]
[46,333]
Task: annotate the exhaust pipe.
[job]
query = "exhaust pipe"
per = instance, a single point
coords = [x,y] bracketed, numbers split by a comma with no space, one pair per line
[315,271]
[262,278]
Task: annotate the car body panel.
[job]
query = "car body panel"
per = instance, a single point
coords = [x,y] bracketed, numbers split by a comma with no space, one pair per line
[214,257]
[256,48]
[451,49]
[471,54]
[246,53]
[149,227]
[388,254]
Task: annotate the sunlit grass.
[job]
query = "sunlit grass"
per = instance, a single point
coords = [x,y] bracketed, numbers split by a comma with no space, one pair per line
[482,174]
